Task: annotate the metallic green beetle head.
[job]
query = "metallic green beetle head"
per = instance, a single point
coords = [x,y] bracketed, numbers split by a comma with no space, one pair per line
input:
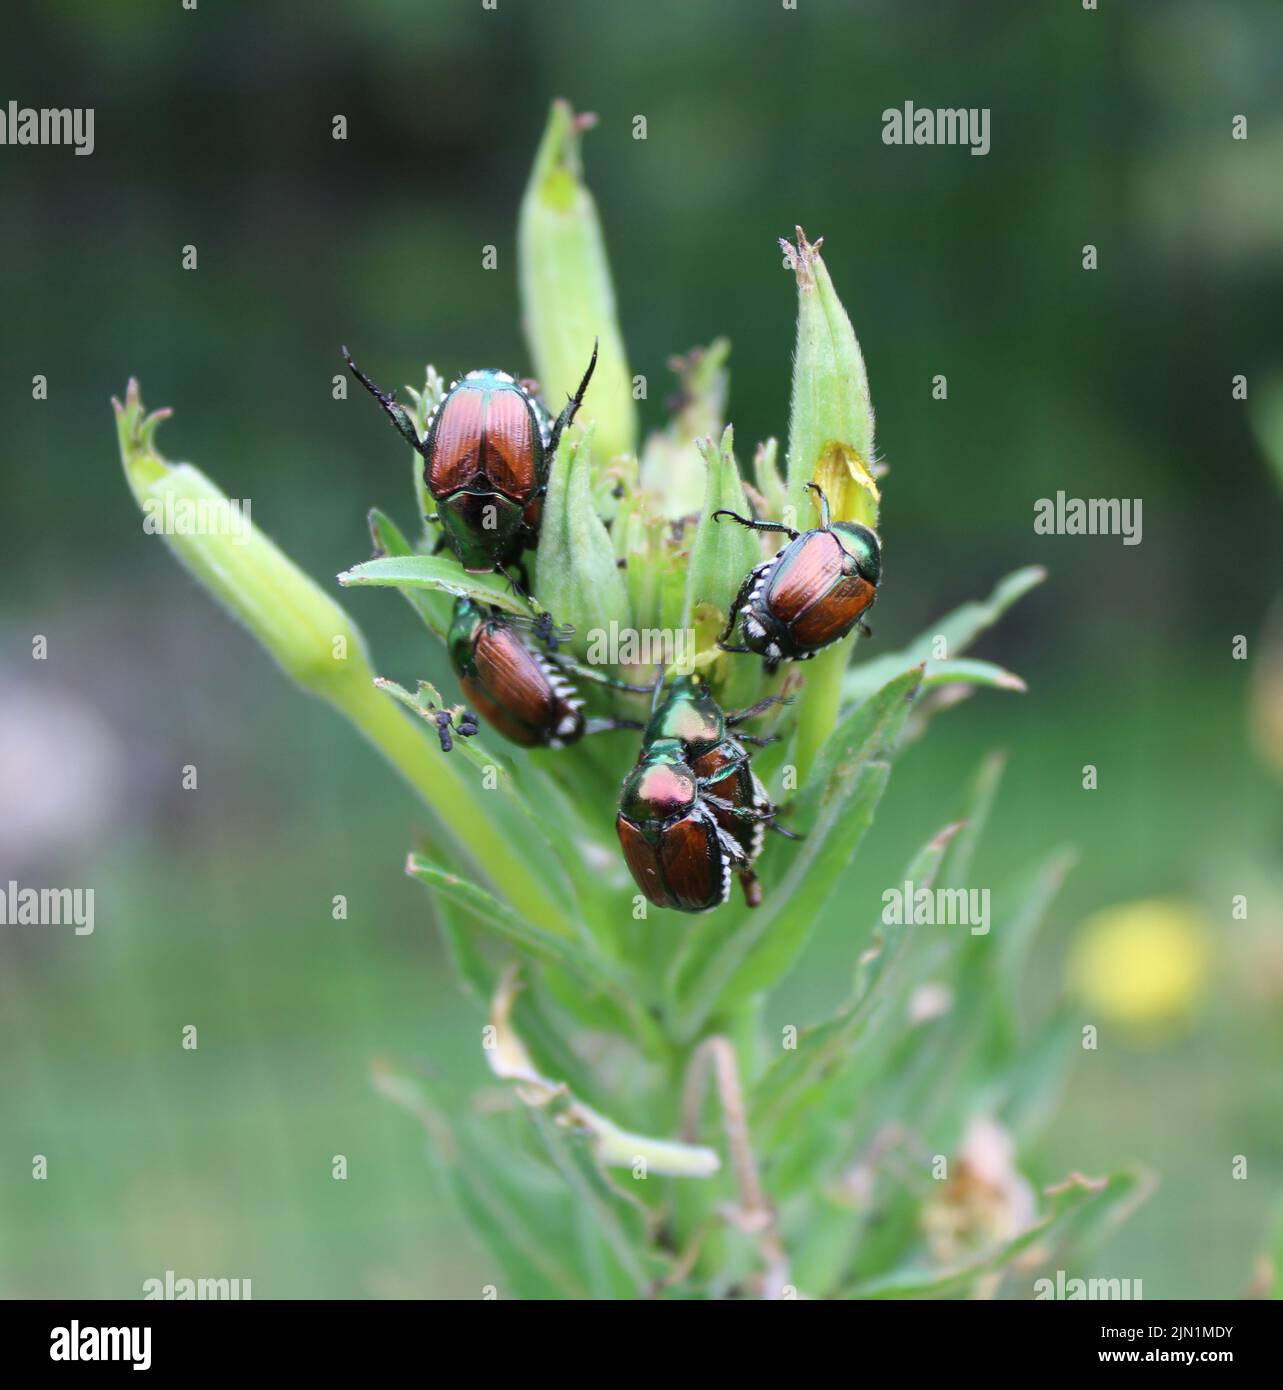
[863,546]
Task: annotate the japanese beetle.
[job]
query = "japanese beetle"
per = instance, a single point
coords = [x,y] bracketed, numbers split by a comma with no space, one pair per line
[487,454]
[811,594]
[693,809]
[675,849]
[522,692]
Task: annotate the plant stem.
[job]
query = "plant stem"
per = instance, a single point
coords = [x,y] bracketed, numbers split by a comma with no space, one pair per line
[439,782]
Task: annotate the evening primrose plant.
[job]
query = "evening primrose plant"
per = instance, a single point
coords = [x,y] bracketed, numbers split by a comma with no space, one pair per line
[645,1134]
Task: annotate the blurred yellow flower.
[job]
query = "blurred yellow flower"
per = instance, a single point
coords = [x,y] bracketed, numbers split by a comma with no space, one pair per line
[1141,963]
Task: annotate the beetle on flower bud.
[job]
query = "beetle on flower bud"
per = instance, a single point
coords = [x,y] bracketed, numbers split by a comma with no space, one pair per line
[487,454]
[811,594]
[693,809]
[527,695]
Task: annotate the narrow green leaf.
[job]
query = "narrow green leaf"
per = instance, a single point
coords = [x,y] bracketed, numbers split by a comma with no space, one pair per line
[797,1076]
[1036,1081]
[612,1229]
[434,607]
[833,812]
[956,632]
[434,572]
[974,817]
[1073,1209]
[517,1209]
[490,912]
[472,970]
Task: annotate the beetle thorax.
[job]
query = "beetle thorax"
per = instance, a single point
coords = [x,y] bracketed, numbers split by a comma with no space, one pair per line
[660,787]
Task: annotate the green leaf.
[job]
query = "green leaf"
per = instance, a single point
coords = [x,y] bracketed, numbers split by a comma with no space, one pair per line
[434,572]
[567,297]
[511,926]
[318,645]
[723,552]
[471,969]
[958,630]
[974,817]
[798,1078]
[612,1228]
[833,812]
[519,1209]
[1036,1080]
[1075,1209]
[434,607]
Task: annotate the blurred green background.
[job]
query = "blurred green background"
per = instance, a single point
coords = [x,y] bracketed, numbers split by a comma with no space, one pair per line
[213,906]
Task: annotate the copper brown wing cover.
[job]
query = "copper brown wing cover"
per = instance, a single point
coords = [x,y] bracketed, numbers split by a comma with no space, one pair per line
[509,460]
[691,859]
[510,688]
[642,861]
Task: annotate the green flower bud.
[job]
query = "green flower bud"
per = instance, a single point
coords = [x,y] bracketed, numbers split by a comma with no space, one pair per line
[567,296]
[831,419]
[577,576]
[830,443]
[722,552]
[669,470]
[304,630]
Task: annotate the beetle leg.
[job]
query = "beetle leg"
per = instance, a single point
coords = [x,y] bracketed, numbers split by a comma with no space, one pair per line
[780,830]
[865,629]
[757,525]
[572,405]
[759,740]
[748,813]
[732,617]
[397,413]
[588,674]
[740,716]
[731,847]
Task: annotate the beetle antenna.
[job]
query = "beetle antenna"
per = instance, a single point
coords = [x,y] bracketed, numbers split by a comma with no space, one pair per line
[396,412]
[824,505]
[572,404]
